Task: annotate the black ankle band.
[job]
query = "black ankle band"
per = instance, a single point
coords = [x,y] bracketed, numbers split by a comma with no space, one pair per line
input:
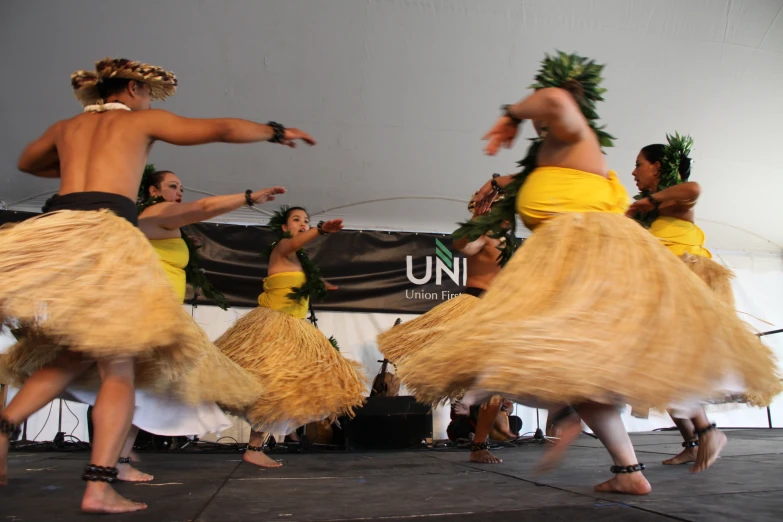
[708,429]
[9,428]
[690,443]
[124,460]
[93,473]
[479,446]
[627,469]
[254,448]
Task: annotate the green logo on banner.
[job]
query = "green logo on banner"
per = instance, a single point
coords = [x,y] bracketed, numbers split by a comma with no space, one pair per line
[444,254]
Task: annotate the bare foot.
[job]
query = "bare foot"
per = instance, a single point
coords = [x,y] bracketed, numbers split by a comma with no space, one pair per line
[130,474]
[569,431]
[134,456]
[99,497]
[484,457]
[259,458]
[710,446]
[628,483]
[686,455]
[3,459]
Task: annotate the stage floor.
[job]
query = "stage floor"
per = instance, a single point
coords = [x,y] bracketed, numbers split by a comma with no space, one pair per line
[433,485]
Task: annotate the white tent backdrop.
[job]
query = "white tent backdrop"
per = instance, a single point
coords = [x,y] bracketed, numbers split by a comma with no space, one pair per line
[758,287]
[399,93]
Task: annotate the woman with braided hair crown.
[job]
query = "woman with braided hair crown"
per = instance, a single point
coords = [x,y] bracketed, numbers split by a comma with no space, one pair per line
[304,376]
[592,311]
[665,205]
[216,378]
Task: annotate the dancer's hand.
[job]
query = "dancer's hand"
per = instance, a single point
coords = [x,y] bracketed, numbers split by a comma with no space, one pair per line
[262,196]
[502,134]
[332,226]
[329,286]
[291,135]
[484,204]
[640,206]
[484,195]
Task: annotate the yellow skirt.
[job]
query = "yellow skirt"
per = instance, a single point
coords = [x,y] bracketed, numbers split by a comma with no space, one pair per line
[418,334]
[91,284]
[594,308]
[304,378]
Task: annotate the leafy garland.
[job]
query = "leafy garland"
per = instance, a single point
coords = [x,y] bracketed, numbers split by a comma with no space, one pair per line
[193,273]
[579,76]
[314,287]
[334,343]
[677,149]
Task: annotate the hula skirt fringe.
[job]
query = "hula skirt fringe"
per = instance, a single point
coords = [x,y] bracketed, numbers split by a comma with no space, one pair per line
[717,277]
[90,283]
[413,336]
[594,308]
[305,379]
[214,379]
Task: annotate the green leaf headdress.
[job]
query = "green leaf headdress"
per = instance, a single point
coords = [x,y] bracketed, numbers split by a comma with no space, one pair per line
[314,287]
[579,76]
[678,149]
[193,273]
[676,152]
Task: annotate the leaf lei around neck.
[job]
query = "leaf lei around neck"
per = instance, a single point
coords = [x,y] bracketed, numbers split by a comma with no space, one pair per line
[678,148]
[581,77]
[193,273]
[313,287]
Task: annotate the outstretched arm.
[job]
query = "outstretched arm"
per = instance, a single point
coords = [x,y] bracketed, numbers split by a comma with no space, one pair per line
[170,128]
[176,215]
[40,157]
[287,247]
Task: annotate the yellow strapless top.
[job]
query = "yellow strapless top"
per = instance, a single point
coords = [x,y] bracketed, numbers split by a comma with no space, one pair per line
[174,255]
[276,289]
[550,191]
[680,236]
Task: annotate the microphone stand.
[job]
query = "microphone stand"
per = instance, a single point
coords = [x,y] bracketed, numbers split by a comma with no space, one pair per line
[762,334]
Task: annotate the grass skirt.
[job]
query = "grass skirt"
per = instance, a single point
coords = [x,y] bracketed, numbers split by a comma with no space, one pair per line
[90,283]
[305,379]
[717,277]
[594,308]
[214,378]
[415,335]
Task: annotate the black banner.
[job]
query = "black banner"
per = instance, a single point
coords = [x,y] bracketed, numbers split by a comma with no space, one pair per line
[394,272]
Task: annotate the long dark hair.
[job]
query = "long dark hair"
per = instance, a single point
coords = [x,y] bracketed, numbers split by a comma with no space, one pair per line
[151,178]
